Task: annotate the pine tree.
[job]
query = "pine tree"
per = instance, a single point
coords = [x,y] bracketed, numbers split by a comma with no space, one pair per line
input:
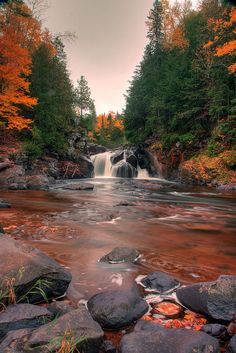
[83,97]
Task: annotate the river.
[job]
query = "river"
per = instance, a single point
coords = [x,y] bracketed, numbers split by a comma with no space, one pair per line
[188,232]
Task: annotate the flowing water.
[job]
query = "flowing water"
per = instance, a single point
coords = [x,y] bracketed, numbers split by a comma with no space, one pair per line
[185,231]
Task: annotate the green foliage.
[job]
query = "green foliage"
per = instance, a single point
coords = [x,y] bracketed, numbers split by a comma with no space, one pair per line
[32,151]
[181,94]
[50,83]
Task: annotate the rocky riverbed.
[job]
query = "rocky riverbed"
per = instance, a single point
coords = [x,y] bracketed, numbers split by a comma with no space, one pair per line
[117,266]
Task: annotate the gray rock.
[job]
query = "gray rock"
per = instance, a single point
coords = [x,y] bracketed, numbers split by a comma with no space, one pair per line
[10,344]
[116,309]
[151,339]
[232,345]
[95,149]
[131,159]
[108,347]
[21,316]
[214,299]
[76,327]
[4,204]
[160,282]
[58,308]
[121,254]
[117,157]
[215,330]
[32,272]
[77,186]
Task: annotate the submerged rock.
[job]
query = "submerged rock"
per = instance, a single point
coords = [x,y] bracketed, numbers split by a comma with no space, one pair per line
[153,338]
[116,309]
[77,327]
[76,186]
[21,316]
[214,299]
[31,274]
[121,254]
[4,204]
[160,282]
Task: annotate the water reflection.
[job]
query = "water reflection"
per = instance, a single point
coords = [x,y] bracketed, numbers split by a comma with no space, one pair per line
[188,232]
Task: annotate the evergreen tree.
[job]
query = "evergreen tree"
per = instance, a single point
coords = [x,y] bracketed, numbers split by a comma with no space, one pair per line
[83,97]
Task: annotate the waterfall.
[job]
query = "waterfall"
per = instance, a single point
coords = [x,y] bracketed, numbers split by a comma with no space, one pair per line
[102,164]
[117,165]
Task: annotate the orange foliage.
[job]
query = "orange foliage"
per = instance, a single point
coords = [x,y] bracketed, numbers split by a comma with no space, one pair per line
[20,35]
[108,121]
[224,32]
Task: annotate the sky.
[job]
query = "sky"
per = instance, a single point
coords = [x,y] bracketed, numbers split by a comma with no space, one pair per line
[111,36]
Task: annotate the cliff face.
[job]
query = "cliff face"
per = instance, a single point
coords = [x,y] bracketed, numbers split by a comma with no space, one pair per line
[199,169]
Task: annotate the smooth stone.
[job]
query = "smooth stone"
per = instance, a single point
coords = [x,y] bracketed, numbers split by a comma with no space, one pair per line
[216,300]
[232,345]
[215,330]
[20,316]
[152,338]
[121,254]
[108,347]
[4,204]
[117,157]
[31,272]
[77,326]
[117,308]
[160,282]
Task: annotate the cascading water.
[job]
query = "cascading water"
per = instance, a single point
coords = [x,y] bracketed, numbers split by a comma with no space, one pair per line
[116,165]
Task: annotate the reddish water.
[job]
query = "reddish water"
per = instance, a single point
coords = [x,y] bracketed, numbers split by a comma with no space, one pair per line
[187,232]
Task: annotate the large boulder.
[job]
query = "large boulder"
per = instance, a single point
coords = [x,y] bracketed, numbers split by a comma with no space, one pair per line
[131,159]
[160,282]
[8,176]
[124,169]
[117,157]
[29,273]
[20,316]
[215,299]
[95,149]
[121,254]
[76,327]
[117,308]
[11,341]
[153,338]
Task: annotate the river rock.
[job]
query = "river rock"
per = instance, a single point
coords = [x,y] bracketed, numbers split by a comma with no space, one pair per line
[108,347]
[131,159]
[21,316]
[117,157]
[214,299]
[121,254]
[4,204]
[76,326]
[215,330]
[37,182]
[58,308]
[30,272]
[160,282]
[151,339]
[123,169]
[117,308]
[77,186]
[10,344]
[95,149]
[232,345]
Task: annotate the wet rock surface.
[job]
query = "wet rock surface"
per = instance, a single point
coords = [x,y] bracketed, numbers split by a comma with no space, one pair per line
[30,269]
[215,330]
[76,325]
[4,204]
[160,282]
[152,339]
[75,186]
[116,309]
[121,254]
[214,299]
[21,316]
[10,344]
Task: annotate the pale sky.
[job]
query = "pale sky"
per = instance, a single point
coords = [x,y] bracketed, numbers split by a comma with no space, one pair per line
[111,39]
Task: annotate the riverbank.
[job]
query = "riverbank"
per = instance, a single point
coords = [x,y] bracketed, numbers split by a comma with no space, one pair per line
[189,235]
